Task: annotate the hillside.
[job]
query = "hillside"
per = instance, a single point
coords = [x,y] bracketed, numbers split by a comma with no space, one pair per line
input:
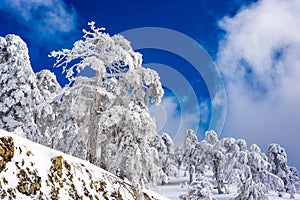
[32,171]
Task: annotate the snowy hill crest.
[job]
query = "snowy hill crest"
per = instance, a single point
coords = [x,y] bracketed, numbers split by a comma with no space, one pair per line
[31,171]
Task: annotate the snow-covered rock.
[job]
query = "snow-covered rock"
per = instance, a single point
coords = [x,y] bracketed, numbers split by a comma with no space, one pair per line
[32,171]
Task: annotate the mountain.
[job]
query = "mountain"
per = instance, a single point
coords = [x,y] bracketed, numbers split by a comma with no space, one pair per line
[31,171]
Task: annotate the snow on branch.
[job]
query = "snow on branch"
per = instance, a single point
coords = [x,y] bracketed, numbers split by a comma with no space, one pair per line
[111,57]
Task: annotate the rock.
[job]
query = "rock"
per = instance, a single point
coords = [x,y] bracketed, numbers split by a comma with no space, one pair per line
[67,165]
[29,184]
[2,151]
[2,165]
[28,153]
[57,161]
[7,151]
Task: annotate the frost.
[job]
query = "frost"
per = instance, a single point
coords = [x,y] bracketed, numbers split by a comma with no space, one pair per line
[105,115]
[289,175]
[18,89]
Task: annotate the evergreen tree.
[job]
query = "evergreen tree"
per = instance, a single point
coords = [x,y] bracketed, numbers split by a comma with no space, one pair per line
[200,189]
[19,95]
[189,152]
[165,149]
[248,189]
[289,175]
[108,113]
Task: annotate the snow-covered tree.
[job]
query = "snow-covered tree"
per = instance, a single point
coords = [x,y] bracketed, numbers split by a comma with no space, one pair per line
[278,160]
[294,179]
[47,84]
[201,156]
[222,152]
[242,144]
[248,189]
[165,148]
[178,156]
[200,189]
[47,118]
[19,94]
[233,163]
[233,169]
[189,146]
[111,107]
[260,169]
[211,137]
[190,151]
[230,156]
[128,150]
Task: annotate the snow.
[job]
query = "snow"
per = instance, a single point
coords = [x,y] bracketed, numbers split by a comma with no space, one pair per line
[154,194]
[174,188]
[35,158]
[177,186]
[105,119]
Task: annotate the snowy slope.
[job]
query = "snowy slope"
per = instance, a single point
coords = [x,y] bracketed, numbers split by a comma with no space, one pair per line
[32,171]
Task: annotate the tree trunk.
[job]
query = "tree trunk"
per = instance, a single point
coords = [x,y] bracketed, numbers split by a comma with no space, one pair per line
[216,173]
[94,127]
[191,172]
[93,136]
[191,177]
[103,162]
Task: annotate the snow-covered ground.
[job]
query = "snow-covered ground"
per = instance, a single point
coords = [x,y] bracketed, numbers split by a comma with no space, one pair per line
[177,187]
[33,171]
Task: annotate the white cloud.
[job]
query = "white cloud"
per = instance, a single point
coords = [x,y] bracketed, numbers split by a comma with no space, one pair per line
[259,57]
[43,18]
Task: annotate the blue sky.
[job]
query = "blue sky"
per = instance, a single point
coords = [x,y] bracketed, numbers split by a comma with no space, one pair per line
[254,45]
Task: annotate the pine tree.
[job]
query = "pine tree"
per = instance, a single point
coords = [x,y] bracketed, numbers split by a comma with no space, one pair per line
[278,160]
[248,189]
[109,111]
[222,152]
[189,151]
[47,119]
[19,95]
[165,150]
[200,189]
[178,156]
[261,169]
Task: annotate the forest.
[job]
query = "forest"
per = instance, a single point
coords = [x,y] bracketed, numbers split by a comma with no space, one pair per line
[104,119]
